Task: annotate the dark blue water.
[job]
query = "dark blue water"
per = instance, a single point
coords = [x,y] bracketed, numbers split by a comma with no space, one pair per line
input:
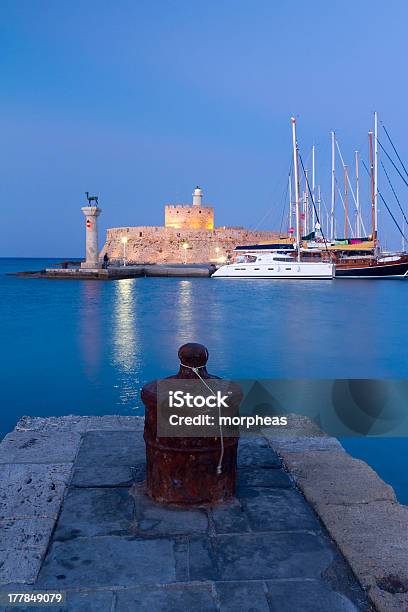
[86,347]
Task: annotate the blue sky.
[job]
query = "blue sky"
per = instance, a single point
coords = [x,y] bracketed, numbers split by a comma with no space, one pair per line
[139,101]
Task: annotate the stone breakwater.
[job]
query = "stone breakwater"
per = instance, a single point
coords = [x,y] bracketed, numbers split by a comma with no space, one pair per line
[310,527]
[171,245]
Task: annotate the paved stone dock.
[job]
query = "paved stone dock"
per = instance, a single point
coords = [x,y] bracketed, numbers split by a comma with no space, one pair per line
[74,517]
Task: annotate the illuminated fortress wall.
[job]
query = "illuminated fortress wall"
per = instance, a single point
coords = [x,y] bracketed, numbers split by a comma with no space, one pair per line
[170,245]
[181,216]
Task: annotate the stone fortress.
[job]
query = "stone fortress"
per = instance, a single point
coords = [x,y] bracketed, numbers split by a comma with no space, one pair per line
[188,236]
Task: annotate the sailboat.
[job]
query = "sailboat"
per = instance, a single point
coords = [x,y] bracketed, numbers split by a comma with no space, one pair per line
[357,257]
[362,257]
[279,263]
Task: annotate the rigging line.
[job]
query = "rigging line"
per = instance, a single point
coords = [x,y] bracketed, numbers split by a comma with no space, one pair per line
[395,150]
[348,178]
[270,209]
[386,205]
[393,191]
[403,178]
[314,206]
[284,205]
[324,204]
[344,208]
[393,218]
[325,207]
[351,188]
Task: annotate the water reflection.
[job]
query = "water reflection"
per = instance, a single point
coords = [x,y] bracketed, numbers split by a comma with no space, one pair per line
[90,328]
[125,333]
[184,312]
[126,345]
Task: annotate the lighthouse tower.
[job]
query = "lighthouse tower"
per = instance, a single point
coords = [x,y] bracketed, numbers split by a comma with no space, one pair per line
[197,196]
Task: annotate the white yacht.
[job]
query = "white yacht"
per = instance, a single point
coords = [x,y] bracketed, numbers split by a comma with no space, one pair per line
[274,264]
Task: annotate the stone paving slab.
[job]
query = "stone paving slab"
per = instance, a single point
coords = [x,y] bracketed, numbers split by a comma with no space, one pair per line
[230,517]
[30,500]
[304,444]
[20,564]
[153,519]
[254,455]
[92,512]
[169,598]
[32,490]
[115,423]
[80,424]
[39,447]
[29,532]
[231,596]
[338,479]
[108,475]
[263,477]
[259,556]
[278,510]
[357,527]
[111,448]
[70,423]
[306,596]
[108,561]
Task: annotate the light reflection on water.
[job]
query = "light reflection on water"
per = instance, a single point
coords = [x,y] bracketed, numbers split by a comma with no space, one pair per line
[90,329]
[125,330]
[126,343]
[184,311]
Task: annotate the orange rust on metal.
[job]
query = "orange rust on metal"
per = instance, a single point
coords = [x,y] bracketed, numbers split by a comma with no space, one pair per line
[184,470]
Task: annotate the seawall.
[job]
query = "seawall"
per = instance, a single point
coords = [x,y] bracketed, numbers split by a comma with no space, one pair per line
[170,245]
[119,272]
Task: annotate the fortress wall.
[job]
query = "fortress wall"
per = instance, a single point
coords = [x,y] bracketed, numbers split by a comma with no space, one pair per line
[165,245]
[179,216]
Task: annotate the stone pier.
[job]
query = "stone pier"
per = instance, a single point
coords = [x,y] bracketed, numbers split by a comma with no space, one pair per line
[310,528]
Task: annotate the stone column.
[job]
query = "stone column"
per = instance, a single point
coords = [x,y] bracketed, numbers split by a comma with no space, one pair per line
[92,261]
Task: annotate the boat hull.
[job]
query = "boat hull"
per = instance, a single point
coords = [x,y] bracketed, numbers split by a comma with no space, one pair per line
[377,270]
[285,271]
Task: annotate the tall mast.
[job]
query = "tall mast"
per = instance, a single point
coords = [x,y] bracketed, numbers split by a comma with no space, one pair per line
[306,205]
[346,201]
[313,189]
[290,201]
[358,225]
[333,188]
[374,232]
[296,172]
[319,207]
[376,174]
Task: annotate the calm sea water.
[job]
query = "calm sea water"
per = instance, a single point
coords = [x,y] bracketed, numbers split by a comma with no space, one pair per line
[87,347]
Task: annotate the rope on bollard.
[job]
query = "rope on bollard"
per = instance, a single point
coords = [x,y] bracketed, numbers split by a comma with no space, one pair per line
[195,370]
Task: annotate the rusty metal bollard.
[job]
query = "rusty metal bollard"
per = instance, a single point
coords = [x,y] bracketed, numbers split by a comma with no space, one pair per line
[184,470]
